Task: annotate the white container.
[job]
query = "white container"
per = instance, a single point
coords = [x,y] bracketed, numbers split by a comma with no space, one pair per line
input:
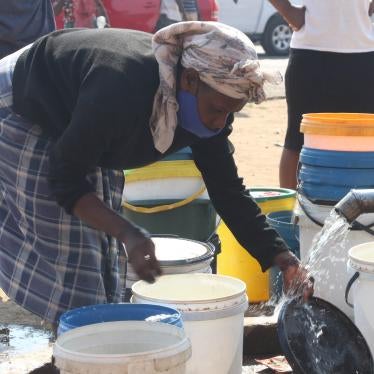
[178,256]
[330,274]
[126,347]
[361,261]
[212,308]
[168,188]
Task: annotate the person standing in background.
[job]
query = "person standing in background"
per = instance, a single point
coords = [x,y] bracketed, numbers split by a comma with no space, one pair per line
[330,68]
[22,22]
[81,13]
[170,12]
[191,10]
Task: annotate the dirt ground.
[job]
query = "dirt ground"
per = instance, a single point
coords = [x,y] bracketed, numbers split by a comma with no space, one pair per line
[258,138]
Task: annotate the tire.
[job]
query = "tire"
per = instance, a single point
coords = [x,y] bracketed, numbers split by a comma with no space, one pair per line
[276,39]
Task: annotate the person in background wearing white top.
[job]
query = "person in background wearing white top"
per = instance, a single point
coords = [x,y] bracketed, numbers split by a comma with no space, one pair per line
[170,12]
[330,69]
[191,10]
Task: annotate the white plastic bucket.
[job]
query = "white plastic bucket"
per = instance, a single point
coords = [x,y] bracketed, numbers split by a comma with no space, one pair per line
[330,274]
[178,256]
[212,308]
[135,347]
[361,273]
[158,189]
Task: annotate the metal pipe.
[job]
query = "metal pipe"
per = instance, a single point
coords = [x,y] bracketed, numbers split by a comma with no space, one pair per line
[355,203]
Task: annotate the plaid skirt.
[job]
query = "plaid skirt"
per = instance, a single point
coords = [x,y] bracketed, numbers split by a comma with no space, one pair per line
[50,261]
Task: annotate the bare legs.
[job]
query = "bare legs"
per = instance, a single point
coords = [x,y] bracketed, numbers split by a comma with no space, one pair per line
[288,168]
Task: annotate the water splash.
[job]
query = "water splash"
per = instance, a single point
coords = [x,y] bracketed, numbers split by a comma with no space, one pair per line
[324,255]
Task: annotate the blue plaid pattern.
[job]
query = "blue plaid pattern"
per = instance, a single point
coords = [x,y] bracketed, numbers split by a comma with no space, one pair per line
[50,261]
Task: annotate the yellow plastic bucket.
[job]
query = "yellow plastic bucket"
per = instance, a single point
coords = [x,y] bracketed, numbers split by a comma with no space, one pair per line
[235,261]
[339,131]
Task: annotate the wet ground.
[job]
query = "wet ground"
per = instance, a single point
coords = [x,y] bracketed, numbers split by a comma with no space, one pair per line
[23,348]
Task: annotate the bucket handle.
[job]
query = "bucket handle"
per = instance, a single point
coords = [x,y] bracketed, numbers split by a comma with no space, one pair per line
[349,285]
[165,207]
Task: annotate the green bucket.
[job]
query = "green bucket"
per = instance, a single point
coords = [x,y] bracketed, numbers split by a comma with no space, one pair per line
[196,220]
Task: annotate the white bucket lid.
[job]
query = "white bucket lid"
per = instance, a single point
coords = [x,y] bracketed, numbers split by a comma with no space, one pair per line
[115,347]
[190,293]
[178,251]
[361,257]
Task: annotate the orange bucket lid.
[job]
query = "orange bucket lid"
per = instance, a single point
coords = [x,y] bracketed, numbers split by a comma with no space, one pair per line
[338,124]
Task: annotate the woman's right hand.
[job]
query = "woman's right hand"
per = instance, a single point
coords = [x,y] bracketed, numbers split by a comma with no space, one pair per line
[141,254]
[295,16]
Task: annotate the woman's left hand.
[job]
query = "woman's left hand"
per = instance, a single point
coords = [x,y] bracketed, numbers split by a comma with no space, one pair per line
[296,278]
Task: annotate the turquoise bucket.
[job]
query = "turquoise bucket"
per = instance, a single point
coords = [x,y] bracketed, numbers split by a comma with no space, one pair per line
[289,232]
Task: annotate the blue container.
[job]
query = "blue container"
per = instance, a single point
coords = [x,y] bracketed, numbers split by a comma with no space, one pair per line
[289,232]
[91,314]
[327,176]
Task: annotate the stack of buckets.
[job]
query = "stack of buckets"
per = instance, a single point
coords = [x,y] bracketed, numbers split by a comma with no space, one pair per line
[338,155]
[169,197]
[234,260]
[197,329]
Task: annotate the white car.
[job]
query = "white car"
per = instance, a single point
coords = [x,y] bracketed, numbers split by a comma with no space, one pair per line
[260,21]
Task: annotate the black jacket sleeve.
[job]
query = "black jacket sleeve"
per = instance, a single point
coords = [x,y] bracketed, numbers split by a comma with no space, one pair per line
[214,159]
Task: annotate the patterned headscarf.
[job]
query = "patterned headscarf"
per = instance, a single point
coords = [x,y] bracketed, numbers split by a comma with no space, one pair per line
[225,59]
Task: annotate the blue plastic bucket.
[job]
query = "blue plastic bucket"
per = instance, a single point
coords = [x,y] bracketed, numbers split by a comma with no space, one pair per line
[282,222]
[91,314]
[327,176]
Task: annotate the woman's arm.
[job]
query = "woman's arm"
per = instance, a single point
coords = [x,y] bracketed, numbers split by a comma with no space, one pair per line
[139,247]
[293,15]
[214,158]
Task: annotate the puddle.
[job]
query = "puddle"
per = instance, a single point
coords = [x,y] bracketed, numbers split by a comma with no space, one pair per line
[23,348]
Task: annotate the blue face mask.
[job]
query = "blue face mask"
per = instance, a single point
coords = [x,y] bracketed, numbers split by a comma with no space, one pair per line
[188,116]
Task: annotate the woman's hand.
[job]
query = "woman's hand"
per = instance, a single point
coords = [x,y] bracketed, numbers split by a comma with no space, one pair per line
[139,246]
[141,254]
[371,8]
[295,16]
[296,279]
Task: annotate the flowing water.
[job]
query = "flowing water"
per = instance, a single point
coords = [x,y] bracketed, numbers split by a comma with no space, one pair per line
[324,254]
[324,263]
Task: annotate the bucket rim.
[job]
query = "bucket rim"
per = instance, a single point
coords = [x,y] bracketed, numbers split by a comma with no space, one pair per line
[190,314]
[284,193]
[137,326]
[208,255]
[64,318]
[355,261]
[192,301]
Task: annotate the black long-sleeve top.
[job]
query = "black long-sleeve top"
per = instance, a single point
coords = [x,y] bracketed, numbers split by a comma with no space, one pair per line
[92,91]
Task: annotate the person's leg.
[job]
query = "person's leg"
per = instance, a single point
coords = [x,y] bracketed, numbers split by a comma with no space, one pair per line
[288,168]
[304,82]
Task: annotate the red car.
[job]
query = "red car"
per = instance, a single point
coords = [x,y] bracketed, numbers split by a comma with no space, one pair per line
[144,14]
